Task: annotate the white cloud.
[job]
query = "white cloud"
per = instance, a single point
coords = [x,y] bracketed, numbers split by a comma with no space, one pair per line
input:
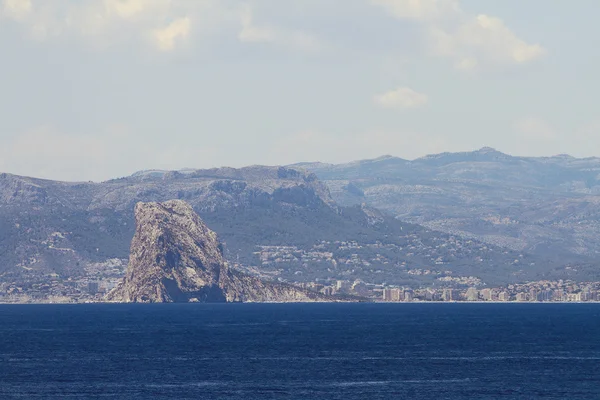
[250,32]
[177,30]
[419,9]
[17,9]
[467,64]
[130,8]
[470,40]
[486,39]
[39,21]
[106,23]
[112,22]
[402,97]
[37,17]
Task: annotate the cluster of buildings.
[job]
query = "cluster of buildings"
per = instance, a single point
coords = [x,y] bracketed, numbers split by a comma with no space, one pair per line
[79,290]
[97,280]
[93,289]
[436,251]
[343,268]
[411,258]
[541,291]
[342,287]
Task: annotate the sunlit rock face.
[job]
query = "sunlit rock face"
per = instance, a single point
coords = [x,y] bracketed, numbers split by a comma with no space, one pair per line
[175,257]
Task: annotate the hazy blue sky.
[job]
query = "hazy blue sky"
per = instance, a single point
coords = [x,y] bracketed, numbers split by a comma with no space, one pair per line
[93,89]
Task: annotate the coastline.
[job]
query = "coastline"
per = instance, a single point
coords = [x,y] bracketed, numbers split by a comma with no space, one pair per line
[308,302]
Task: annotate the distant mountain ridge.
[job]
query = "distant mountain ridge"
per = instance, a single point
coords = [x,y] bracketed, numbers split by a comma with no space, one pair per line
[579,167]
[543,205]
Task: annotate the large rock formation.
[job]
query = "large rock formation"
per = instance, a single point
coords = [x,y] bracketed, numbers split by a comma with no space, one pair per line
[175,257]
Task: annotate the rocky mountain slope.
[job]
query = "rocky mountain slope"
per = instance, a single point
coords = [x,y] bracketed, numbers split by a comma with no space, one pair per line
[275,222]
[175,257]
[49,226]
[547,206]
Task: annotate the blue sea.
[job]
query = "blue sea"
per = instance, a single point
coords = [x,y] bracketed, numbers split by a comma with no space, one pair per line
[300,351]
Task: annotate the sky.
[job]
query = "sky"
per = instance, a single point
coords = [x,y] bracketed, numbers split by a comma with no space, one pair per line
[98,89]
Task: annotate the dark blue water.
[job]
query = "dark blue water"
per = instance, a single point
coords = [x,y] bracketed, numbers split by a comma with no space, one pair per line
[294,351]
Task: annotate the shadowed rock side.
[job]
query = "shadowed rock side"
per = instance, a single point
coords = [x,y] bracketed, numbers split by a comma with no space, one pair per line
[175,257]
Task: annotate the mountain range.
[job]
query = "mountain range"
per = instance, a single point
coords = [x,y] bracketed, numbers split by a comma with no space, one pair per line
[453,218]
[546,206]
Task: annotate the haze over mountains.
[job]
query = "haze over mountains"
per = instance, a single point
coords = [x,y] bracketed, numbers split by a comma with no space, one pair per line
[464,218]
[546,206]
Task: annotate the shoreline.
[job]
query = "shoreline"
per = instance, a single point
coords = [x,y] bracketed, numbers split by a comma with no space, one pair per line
[313,302]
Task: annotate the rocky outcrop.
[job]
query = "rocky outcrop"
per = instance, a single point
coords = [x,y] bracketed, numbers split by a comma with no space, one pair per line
[175,257]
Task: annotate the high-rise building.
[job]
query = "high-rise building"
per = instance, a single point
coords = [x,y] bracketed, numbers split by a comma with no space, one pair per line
[545,295]
[558,295]
[521,296]
[392,294]
[328,291]
[472,294]
[387,294]
[504,296]
[487,294]
[450,295]
[342,286]
[586,295]
[431,295]
[533,295]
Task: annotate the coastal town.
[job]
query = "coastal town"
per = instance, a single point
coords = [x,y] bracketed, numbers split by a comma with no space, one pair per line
[101,278]
[416,270]
[540,291]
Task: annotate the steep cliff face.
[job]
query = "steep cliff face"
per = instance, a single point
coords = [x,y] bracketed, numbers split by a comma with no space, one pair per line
[215,189]
[175,257]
